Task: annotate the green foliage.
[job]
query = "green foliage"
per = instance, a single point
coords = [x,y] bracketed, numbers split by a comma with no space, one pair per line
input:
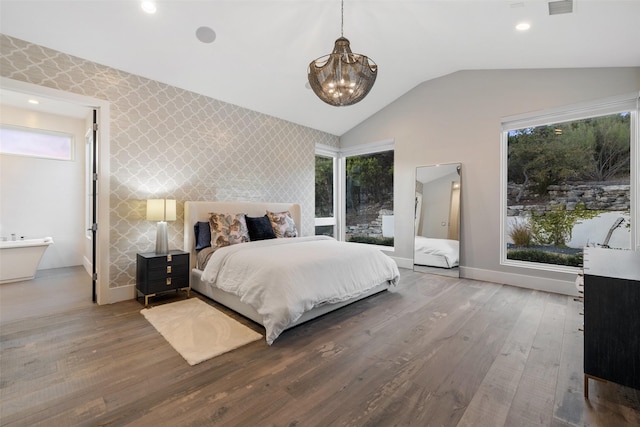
[324,186]
[369,178]
[383,241]
[541,256]
[555,227]
[521,234]
[591,149]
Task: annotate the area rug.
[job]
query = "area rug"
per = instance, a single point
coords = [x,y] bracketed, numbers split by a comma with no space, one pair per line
[197,330]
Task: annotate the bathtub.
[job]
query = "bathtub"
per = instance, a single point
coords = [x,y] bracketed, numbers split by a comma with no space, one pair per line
[19,259]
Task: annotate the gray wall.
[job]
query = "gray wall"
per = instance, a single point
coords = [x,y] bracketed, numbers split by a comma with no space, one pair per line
[169,142]
[457,118]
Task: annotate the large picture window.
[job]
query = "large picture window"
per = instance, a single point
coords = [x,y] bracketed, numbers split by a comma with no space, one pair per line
[568,183]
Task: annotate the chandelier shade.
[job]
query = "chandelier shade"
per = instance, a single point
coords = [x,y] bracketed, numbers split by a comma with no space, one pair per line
[342,77]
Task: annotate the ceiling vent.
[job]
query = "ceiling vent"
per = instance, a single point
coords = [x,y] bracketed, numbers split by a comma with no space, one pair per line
[561,6]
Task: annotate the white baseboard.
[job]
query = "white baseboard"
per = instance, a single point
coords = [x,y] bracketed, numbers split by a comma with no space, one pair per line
[563,287]
[122,293]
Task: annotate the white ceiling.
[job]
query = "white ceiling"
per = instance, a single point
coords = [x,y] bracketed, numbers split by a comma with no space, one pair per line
[260,56]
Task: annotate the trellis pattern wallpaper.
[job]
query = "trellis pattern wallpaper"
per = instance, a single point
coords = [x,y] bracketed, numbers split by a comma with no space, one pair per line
[166,142]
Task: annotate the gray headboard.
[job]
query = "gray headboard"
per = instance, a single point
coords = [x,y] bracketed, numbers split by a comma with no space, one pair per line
[199,211]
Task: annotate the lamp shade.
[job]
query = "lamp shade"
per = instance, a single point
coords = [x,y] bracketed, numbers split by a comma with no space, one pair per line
[161,210]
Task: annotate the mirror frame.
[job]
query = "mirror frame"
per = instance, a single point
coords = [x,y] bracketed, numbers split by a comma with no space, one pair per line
[436,249]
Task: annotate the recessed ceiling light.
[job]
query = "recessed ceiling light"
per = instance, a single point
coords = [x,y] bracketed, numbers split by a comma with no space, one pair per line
[523,26]
[149,7]
[205,34]
[33,101]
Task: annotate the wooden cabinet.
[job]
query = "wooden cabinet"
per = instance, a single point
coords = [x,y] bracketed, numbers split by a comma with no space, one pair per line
[612,317]
[156,273]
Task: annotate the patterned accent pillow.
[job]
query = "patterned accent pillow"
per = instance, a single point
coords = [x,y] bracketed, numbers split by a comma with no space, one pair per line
[227,229]
[283,224]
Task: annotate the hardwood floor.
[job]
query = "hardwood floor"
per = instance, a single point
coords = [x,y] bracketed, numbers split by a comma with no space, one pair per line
[434,351]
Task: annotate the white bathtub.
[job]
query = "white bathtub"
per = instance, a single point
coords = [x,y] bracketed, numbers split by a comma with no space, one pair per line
[19,259]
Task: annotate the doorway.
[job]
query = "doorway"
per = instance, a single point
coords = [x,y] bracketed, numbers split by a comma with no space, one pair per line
[95,240]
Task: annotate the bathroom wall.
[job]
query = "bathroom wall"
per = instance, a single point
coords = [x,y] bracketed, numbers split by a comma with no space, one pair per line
[169,142]
[45,197]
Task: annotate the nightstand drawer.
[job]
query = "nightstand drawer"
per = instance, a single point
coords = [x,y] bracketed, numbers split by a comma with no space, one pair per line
[167,283]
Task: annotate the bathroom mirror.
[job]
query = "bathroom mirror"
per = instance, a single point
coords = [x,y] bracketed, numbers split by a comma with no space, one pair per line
[437,219]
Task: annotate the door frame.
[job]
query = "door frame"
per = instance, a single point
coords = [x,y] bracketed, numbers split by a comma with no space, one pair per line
[103,117]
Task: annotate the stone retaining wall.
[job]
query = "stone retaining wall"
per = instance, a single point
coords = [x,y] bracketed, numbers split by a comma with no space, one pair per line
[372,229]
[594,196]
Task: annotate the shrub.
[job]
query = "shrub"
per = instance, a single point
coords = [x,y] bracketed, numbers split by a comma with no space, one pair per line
[555,227]
[383,241]
[521,234]
[533,255]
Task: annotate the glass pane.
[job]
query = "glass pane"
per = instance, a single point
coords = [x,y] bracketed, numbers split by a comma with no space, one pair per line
[369,198]
[35,143]
[569,187]
[324,187]
[325,230]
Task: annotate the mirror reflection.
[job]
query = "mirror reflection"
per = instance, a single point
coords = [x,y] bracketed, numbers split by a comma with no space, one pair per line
[437,219]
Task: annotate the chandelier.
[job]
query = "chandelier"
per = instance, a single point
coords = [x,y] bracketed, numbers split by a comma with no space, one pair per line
[342,77]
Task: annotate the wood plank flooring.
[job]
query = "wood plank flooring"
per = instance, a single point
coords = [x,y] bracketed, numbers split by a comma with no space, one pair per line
[433,351]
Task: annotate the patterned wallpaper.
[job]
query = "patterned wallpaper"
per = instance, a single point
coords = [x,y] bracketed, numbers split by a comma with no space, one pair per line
[169,142]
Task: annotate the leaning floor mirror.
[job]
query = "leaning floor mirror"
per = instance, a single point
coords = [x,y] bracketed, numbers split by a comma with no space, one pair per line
[437,219]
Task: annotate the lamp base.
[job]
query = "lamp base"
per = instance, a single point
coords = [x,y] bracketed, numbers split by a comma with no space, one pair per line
[162,240]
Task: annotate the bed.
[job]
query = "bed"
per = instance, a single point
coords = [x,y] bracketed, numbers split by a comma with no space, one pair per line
[443,253]
[273,281]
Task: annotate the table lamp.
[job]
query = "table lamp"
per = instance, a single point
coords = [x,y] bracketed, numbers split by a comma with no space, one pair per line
[161,210]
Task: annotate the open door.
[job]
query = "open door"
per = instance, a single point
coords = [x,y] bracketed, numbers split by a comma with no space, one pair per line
[94,206]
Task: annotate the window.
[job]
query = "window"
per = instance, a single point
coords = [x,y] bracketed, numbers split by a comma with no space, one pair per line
[567,183]
[326,194]
[369,198]
[354,193]
[36,143]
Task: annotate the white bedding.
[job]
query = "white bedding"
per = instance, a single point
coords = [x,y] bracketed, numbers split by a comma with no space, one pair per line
[283,278]
[437,252]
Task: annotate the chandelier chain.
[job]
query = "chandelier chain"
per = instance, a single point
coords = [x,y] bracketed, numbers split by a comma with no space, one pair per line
[342,20]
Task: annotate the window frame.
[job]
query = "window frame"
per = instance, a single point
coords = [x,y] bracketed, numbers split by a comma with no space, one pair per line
[38,131]
[339,181]
[333,153]
[628,102]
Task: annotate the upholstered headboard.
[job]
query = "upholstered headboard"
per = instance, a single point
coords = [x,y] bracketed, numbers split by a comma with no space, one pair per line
[199,211]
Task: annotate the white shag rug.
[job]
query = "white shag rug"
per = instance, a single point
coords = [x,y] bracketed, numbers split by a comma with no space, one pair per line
[197,330]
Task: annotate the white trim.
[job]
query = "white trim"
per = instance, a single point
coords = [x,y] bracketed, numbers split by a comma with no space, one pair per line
[370,148]
[403,262]
[327,150]
[564,287]
[579,111]
[122,293]
[322,222]
[103,108]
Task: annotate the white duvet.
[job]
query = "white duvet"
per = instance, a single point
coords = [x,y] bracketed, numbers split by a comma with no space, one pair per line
[283,278]
[448,249]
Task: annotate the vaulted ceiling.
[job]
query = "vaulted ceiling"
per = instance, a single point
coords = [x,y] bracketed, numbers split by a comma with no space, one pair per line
[262,48]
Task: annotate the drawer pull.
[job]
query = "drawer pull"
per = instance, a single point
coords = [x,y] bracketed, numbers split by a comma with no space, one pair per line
[168,281]
[169,258]
[168,269]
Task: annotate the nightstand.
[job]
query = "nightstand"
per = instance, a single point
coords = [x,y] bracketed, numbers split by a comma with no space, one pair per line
[157,273]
